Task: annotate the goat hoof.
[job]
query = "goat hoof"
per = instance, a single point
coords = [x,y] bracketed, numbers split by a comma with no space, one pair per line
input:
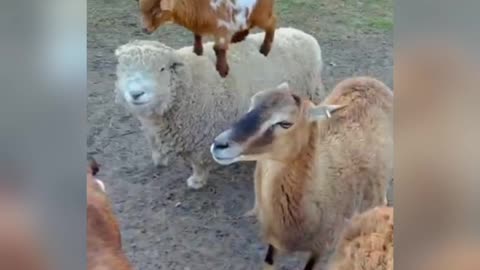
[198,51]
[265,49]
[223,71]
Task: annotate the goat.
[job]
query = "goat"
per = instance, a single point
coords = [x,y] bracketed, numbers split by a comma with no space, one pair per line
[226,20]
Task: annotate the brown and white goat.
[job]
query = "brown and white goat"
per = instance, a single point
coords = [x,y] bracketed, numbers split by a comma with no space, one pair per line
[317,165]
[104,247]
[367,242]
[226,20]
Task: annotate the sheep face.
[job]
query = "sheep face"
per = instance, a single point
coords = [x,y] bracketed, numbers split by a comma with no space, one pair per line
[155,13]
[146,74]
[275,127]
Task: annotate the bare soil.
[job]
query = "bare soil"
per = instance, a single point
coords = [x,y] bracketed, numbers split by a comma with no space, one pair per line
[164,224]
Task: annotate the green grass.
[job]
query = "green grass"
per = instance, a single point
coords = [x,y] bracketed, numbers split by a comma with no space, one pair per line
[337,17]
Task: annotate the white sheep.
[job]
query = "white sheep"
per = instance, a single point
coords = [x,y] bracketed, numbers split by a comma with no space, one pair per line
[182,102]
[316,165]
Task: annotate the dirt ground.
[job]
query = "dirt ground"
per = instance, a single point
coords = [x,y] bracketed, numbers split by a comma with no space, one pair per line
[165,225]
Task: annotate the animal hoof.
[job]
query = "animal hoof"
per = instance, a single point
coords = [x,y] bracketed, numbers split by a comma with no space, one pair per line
[223,71]
[198,51]
[195,182]
[265,49]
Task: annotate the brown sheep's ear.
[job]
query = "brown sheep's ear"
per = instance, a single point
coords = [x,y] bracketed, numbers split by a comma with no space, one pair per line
[166,5]
[321,112]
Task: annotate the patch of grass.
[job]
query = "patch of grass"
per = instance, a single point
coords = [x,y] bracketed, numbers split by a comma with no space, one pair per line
[385,24]
[337,17]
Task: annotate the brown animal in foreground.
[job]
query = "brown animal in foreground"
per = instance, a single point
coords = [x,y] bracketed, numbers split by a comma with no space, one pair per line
[317,165]
[226,20]
[104,247]
[20,244]
[367,242]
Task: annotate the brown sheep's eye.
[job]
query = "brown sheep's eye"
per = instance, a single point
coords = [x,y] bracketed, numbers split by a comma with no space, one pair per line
[285,124]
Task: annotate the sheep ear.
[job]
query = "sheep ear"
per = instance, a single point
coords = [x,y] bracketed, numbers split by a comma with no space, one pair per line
[283,86]
[166,5]
[322,111]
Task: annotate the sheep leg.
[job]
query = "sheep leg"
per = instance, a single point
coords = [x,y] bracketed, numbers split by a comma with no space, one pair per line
[312,261]
[197,45]
[240,36]
[269,28]
[157,158]
[269,258]
[220,49]
[198,179]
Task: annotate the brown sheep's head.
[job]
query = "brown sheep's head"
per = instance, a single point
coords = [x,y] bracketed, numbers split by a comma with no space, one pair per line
[155,13]
[275,127]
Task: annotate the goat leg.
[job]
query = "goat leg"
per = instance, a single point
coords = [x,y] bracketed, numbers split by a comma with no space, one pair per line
[240,36]
[197,45]
[222,65]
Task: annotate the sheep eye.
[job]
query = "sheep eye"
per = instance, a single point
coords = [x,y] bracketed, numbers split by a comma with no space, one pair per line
[162,69]
[284,124]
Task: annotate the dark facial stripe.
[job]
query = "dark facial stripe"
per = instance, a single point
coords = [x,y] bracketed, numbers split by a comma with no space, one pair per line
[247,126]
[265,139]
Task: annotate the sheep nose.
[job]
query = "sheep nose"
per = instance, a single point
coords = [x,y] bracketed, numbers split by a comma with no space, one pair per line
[137,94]
[145,30]
[220,144]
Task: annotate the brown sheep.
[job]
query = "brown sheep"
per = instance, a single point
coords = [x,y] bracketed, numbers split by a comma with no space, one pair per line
[367,242]
[226,20]
[104,247]
[317,165]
